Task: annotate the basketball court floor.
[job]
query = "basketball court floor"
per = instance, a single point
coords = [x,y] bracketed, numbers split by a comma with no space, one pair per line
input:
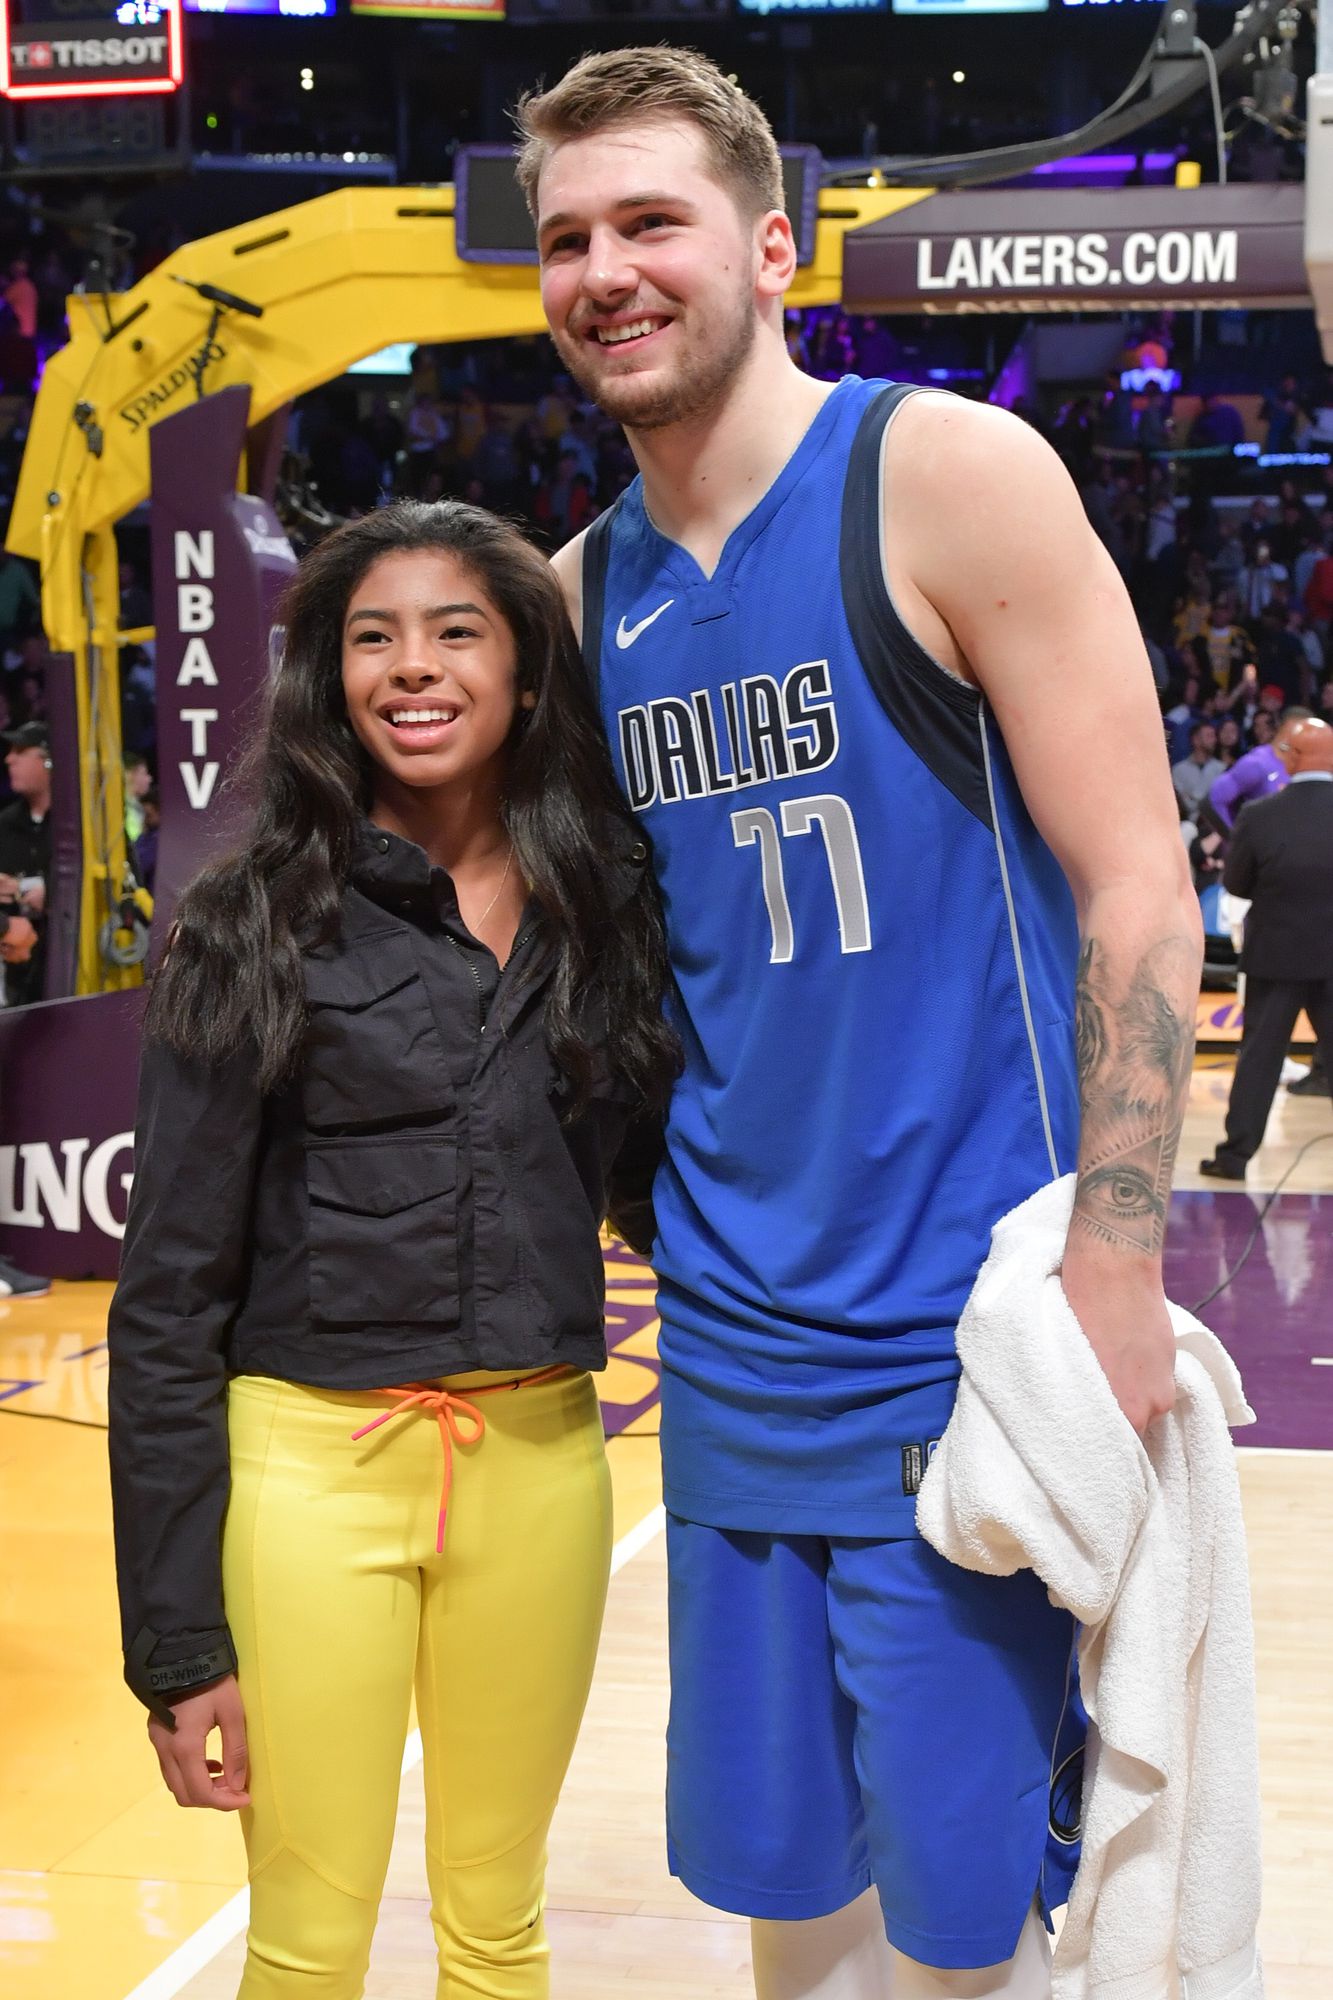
[108,1891]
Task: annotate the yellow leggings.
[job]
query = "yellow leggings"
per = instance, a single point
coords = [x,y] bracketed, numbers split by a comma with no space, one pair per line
[339,1606]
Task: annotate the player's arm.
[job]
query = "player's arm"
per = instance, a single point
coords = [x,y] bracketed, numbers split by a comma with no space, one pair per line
[1226,793]
[568,566]
[997,543]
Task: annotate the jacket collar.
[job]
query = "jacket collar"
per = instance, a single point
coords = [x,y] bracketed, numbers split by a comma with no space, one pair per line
[390,870]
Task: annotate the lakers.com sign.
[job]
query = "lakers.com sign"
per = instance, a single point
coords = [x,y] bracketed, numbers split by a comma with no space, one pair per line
[1039,250]
[1058,261]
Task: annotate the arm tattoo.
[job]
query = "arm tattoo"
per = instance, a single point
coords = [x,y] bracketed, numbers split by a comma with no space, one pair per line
[1135,1048]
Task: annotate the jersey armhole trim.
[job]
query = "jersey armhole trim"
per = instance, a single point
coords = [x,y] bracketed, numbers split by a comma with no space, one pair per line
[932,709]
[596,554]
[953,685]
[1011,911]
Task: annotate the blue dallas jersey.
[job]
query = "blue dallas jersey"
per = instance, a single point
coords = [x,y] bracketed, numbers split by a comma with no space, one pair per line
[875,957]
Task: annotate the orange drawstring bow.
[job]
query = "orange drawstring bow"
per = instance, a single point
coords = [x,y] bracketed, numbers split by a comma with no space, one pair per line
[447,1409]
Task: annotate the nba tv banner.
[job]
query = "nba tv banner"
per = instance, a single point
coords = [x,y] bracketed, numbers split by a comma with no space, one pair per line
[220,561]
[1101,249]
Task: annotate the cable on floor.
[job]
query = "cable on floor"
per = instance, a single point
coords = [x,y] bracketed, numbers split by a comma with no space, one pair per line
[1318,1140]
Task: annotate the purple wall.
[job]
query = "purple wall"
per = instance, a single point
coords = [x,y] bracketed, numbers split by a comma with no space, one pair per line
[68,1070]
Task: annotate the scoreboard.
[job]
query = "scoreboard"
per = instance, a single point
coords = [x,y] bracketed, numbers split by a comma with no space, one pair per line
[89,48]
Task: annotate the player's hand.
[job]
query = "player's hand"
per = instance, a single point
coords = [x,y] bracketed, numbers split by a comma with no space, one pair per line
[19,941]
[9,888]
[192,1777]
[1129,1330]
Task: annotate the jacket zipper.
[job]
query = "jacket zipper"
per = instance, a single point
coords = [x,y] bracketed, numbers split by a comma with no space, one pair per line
[476,981]
[521,939]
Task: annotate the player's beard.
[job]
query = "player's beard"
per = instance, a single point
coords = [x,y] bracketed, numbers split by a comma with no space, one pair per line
[696,385]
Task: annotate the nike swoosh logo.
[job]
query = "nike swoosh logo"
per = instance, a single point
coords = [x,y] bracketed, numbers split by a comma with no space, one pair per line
[627,634]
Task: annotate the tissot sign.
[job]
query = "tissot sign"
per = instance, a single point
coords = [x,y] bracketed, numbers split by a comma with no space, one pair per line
[89,48]
[1098,247]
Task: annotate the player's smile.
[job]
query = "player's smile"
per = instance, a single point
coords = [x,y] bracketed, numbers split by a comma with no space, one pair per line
[626,333]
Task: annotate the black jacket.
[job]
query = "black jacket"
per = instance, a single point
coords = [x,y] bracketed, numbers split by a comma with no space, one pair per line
[1281,856]
[412,1205]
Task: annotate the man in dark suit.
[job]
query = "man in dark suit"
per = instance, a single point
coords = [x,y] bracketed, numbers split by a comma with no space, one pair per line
[1282,858]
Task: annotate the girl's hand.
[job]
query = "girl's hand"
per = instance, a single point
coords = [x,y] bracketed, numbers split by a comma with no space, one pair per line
[192,1778]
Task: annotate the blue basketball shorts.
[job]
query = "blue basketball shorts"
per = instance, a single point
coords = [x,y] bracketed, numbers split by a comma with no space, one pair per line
[849,1712]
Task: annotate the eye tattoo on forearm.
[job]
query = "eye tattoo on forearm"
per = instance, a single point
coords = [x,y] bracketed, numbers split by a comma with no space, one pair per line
[1134,1055]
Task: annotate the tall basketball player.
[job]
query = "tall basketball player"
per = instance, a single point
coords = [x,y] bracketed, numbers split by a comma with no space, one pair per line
[852,644]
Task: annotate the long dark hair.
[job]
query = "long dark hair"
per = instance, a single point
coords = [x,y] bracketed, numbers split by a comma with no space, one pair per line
[232,976]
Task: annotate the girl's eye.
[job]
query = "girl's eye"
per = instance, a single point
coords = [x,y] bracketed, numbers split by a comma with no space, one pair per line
[458,632]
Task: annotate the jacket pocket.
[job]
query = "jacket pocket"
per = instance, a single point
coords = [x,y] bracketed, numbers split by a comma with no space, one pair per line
[373,1052]
[384,1230]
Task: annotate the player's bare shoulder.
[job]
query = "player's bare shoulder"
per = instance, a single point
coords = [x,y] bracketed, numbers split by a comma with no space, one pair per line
[945,451]
[568,566]
[970,484]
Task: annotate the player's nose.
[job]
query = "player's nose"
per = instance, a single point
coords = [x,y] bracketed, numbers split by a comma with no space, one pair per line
[609,273]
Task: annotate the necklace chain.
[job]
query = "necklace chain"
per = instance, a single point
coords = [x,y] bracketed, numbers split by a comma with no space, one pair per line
[496,897]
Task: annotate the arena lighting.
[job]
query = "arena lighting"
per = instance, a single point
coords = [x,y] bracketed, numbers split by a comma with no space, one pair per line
[1250,30]
[1136,380]
[1270,460]
[1109,163]
[122,59]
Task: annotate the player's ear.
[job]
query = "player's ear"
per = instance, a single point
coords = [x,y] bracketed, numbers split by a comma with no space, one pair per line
[776,246]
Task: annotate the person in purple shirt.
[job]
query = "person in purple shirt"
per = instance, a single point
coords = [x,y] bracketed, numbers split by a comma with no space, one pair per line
[1259,772]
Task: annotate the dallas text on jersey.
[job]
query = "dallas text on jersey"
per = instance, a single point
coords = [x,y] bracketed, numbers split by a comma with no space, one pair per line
[746,732]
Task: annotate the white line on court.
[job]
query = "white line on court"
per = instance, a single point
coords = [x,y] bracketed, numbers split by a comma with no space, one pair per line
[1321,1360]
[213,1937]
[196,1952]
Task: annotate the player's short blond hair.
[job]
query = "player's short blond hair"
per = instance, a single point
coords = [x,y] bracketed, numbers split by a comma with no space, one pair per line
[623,87]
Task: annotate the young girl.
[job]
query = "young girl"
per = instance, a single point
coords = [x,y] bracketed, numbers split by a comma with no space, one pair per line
[400,1055]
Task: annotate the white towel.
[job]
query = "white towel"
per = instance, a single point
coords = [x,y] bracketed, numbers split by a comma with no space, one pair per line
[1038,1468]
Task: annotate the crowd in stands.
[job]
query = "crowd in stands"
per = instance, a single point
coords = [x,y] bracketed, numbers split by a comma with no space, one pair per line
[1234,593]
[493,422]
